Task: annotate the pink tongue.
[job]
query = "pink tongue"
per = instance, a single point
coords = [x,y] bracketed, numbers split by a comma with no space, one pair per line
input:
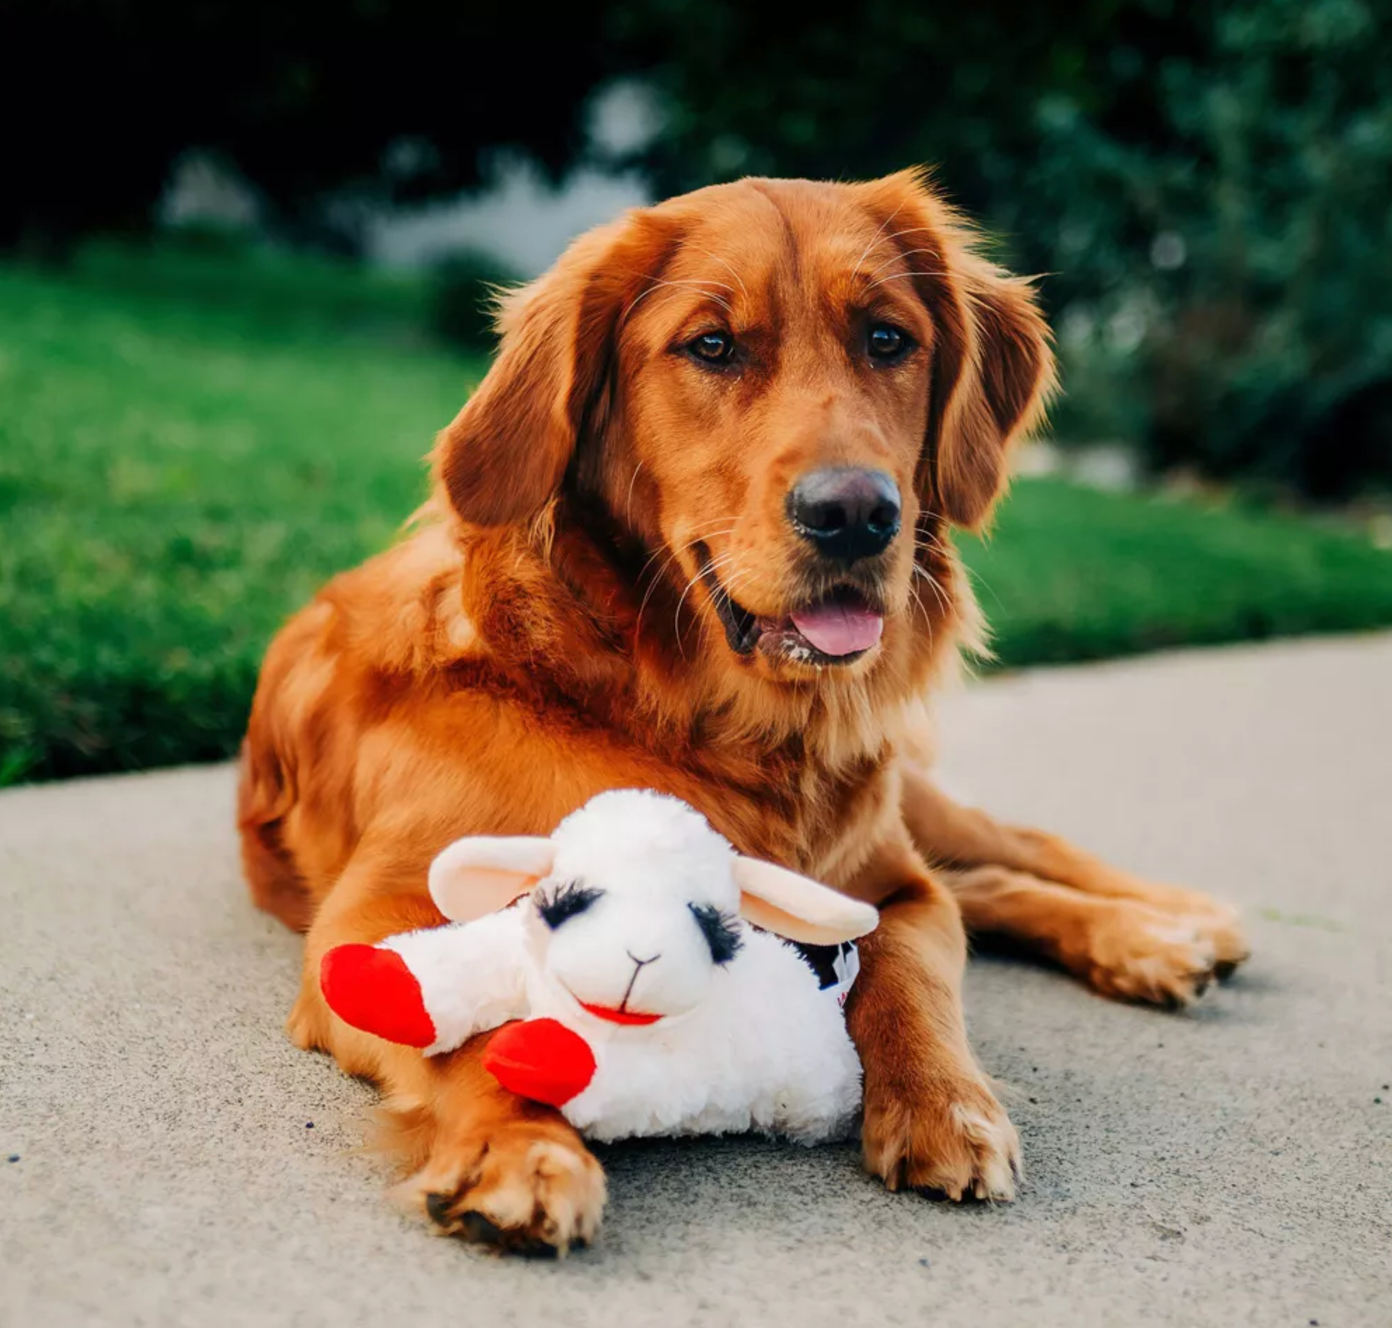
[839,629]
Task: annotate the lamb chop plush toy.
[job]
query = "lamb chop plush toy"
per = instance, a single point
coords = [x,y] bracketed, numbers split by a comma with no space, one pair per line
[648,1004]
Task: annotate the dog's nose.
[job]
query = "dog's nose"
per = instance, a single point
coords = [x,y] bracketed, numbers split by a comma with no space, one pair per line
[846,512]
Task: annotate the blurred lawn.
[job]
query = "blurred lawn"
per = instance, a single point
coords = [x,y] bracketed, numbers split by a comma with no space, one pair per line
[189,445]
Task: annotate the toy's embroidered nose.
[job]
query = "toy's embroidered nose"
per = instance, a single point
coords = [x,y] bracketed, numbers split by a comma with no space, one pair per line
[639,966]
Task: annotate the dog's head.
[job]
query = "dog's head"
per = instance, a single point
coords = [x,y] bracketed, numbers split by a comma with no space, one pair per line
[776,392]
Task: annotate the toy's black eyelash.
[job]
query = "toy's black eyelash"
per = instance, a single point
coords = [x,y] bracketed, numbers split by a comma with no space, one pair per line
[565,902]
[719,930]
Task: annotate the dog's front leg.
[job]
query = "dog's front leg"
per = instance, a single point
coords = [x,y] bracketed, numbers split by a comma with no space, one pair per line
[932,1122]
[485,1164]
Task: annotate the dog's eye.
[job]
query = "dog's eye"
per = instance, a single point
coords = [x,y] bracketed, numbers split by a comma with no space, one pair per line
[719,930]
[887,342]
[713,347]
[565,902]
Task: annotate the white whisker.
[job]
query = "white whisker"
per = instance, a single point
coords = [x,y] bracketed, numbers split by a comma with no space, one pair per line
[696,285]
[933,585]
[669,556]
[727,263]
[894,276]
[628,502]
[886,239]
[707,568]
[880,231]
[908,253]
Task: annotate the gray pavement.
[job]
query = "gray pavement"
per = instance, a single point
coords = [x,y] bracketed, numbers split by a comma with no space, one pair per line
[1228,1166]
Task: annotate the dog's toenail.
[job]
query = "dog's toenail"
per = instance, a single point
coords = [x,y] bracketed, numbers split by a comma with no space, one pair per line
[537,1249]
[474,1226]
[438,1207]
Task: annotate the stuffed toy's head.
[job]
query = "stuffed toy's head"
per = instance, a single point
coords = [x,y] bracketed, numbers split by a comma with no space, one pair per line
[635,904]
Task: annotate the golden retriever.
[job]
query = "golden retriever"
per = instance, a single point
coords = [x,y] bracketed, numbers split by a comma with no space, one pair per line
[692,533]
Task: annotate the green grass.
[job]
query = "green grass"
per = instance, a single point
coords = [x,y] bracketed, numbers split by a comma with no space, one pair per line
[190,444]
[1074,574]
[175,477]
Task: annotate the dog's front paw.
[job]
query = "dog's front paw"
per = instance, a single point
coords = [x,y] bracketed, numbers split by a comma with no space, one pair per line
[941,1134]
[525,1187]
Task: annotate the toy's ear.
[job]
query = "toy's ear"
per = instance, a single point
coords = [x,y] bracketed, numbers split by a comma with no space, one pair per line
[798,908]
[483,874]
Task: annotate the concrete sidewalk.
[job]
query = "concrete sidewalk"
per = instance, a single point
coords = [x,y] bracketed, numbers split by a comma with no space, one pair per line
[172,1160]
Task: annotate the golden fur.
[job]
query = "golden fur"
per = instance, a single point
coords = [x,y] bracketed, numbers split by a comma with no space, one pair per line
[552,629]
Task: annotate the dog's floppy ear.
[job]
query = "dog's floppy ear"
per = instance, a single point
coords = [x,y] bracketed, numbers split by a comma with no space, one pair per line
[798,908]
[482,874]
[503,457]
[993,369]
[994,393]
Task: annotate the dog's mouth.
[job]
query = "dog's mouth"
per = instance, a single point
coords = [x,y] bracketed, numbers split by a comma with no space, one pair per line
[839,627]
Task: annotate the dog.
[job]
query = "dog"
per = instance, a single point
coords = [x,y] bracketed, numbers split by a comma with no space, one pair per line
[693,533]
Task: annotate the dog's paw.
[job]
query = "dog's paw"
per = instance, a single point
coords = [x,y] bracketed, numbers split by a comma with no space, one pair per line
[1217,923]
[945,1136]
[307,1025]
[1222,927]
[525,1187]
[1135,953]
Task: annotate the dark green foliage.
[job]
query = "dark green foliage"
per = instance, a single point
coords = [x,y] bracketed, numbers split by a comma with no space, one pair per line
[1270,351]
[463,288]
[360,99]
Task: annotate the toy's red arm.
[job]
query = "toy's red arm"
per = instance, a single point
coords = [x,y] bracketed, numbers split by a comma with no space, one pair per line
[371,988]
[435,988]
[540,1059]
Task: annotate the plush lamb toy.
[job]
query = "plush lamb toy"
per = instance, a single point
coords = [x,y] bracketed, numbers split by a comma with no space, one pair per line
[650,1006]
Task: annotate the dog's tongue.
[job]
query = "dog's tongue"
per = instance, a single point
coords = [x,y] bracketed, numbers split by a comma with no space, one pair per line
[838,629]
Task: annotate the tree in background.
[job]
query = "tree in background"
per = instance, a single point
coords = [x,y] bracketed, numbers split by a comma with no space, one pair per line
[306,98]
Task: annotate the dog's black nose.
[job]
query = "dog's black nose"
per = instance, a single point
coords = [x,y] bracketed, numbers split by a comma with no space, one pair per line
[847,513]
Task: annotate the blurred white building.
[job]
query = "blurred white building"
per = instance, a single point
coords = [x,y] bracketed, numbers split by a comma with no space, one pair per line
[518,217]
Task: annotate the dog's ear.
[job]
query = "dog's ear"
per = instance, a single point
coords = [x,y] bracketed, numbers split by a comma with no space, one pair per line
[993,366]
[798,908]
[482,874]
[989,388]
[503,457]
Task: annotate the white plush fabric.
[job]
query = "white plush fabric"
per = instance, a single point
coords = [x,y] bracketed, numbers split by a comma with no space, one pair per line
[749,1044]
[766,1050]
[472,975]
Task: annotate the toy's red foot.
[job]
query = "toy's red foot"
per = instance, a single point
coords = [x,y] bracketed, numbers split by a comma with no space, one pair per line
[372,989]
[540,1059]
